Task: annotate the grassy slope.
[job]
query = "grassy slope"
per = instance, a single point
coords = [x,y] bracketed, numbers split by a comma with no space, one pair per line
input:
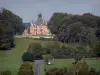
[10,60]
[42,69]
[21,46]
[15,54]
[60,63]
[11,66]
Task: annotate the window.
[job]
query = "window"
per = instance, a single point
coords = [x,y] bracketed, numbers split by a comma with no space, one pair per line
[41,30]
[35,29]
[35,26]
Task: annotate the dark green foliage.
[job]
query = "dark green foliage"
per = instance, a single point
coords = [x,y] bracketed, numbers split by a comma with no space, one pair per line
[53,45]
[47,57]
[53,48]
[96,50]
[36,50]
[69,52]
[61,53]
[10,24]
[75,28]
[27,57]
[81,68]
[57,71]
[79,53]
[26,69]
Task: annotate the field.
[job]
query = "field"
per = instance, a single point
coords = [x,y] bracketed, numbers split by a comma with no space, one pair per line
[42,69]
[21,46]
[60,63]
[11,59]
[11,66]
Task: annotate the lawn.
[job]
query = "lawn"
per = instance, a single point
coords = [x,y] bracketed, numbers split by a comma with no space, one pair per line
[60,63]
[11,59]
[21,46]
[6,57]
[11,66]
[42,69]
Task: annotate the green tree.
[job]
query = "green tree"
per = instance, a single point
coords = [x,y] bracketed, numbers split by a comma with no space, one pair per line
[75,28]
[80,68]
[96,49]
[9,26]
[47,57]
[27,57]
[36,50]
[26,69]
[79,53]
[6,36]
[52,45]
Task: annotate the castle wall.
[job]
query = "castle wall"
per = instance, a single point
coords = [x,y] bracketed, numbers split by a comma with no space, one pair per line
[39,30]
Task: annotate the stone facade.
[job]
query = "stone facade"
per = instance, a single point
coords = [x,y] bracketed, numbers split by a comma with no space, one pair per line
[37,28]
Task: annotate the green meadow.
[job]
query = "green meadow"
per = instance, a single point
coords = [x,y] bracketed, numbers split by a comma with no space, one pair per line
[60,63]
[11,59]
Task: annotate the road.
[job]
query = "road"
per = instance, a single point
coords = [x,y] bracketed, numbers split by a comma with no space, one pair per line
[37,67]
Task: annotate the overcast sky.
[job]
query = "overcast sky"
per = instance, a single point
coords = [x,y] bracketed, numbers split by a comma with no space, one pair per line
[28,9]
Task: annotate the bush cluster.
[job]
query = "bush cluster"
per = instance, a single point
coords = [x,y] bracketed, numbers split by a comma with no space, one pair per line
[27,57]
[36,50]
[81,68]
[26,69]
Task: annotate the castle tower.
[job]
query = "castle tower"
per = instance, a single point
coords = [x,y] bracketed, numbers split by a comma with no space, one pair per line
[39,20]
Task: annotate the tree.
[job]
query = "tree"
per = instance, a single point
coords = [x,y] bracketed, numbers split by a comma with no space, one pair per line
[80,68]
[53,45]
[26,69]
[47,57]
[9,26]
[64,52]
[79,53]
[75,28]
[6,36]
[57,71]
[27,57]
[96,49]
[36,50]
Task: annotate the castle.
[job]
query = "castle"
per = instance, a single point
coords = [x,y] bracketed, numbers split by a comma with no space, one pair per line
[37,28]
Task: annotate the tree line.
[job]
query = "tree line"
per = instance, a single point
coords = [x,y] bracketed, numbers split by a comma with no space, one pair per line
[54,49]
[81,29]
[10,24]
[81,68]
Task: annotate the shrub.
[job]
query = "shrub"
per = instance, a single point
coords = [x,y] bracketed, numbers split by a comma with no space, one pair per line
[96,49]
[63,52]
[53,45]
[27,57]
[35,50]
[57,71]
[47,57]
[92,71]
[80,68]
[26,69]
